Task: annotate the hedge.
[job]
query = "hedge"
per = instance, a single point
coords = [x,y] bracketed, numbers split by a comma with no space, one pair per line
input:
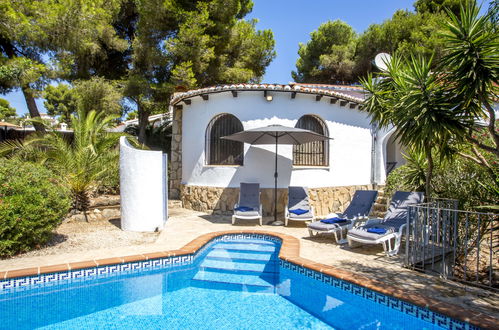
[32,204]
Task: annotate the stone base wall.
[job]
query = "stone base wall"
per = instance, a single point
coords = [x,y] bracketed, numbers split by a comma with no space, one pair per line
[221,200]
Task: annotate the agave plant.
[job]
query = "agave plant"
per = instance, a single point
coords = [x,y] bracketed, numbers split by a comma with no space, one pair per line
[81,161]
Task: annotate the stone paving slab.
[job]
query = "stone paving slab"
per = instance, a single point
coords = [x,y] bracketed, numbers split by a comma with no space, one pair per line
[185,225]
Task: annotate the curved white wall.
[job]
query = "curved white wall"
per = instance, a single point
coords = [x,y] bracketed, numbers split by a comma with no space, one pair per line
[382,139]
[143,190]
[350,149]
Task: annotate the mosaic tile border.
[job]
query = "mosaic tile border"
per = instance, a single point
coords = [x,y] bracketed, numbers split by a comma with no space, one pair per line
[379,298]
[86,274]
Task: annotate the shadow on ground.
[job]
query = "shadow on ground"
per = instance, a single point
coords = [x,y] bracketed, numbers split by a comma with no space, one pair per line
[427,285]
[115,222]
[56,240]
[227,219]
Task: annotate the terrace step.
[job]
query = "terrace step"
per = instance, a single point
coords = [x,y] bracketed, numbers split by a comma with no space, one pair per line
[175,203]
[382,200]
[377,215]
[379,207]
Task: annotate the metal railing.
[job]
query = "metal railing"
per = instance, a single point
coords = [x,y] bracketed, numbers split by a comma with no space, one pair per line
[457,245]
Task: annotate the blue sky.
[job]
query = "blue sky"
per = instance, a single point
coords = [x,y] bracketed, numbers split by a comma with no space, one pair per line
[292,21]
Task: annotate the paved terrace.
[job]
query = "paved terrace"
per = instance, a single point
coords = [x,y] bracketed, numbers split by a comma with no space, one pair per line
[185,225]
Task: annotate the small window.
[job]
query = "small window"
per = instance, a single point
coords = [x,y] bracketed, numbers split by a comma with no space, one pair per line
[313,153]
[220,151]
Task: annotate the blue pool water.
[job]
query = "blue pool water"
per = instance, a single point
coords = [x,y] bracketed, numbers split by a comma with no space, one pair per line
[233,284]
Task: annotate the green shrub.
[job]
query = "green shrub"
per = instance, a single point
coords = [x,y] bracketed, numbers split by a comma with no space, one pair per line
[109,183]
[458,179]
[32,204]
[397,180]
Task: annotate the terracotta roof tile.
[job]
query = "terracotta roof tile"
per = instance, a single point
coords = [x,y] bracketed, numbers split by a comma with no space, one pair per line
[352,93]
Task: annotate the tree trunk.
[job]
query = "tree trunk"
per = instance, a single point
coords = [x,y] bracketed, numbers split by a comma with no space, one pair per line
[28,95]
[429,173]
[143,122]
[32,108]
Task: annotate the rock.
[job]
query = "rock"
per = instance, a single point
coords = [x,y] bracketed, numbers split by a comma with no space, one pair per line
[105,200]
[111,213]
[98,217]
[79,217]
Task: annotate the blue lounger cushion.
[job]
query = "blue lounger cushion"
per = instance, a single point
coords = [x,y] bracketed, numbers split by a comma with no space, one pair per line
[298,211]
[377,230]
[333,220]
[244,208]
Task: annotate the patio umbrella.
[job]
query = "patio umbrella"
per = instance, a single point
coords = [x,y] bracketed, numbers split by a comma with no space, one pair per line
[276,134]
[5,125]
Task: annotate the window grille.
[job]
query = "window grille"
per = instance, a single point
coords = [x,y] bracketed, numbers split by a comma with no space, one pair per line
[313,153]
[220,151]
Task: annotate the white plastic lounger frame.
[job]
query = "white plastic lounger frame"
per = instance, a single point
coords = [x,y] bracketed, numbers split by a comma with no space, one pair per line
[247,217]
[385,240]
[339,230]
[367,197]
[249,195]
[288,216]
[298,199]
[396,212]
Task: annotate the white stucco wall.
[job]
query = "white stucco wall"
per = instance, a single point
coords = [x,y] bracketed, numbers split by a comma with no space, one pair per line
[350,149]
[143,190]
[383,153]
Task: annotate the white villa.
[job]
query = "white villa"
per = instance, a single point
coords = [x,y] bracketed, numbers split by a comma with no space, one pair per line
[206,171]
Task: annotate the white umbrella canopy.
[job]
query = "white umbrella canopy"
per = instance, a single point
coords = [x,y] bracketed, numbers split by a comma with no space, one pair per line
[5,124]
[283,134]
[276,134]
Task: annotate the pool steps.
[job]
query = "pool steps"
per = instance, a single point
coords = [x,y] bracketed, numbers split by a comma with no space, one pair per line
[249,266]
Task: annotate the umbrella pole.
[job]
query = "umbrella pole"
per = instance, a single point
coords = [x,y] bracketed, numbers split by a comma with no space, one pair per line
[275,179]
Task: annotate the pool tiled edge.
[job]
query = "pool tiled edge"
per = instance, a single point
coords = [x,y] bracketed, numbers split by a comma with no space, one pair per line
[289,258]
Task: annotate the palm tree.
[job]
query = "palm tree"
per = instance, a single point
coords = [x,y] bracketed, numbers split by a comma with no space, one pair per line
[471,69]
[410,98]
[82,161]
[438,110]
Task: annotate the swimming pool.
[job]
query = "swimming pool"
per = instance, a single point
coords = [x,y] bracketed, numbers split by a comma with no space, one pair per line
[233,282]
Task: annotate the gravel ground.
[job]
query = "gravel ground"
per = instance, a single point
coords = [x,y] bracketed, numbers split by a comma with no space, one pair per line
[82,236]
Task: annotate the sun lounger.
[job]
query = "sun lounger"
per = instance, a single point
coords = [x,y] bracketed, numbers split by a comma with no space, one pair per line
[249,206]
[358,209]
[298,208]
[382,231]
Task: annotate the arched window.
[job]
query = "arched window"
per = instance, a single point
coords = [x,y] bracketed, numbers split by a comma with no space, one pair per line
[313,153]
[220,151]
